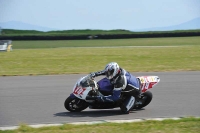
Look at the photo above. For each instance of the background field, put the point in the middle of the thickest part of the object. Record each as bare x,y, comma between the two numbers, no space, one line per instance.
64,57
174,41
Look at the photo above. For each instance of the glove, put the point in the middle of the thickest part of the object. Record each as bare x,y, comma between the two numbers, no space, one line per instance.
92,75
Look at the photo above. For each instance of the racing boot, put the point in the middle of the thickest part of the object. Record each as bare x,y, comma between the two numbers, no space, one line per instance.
128,105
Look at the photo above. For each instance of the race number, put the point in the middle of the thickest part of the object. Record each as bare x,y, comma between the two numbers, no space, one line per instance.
79,90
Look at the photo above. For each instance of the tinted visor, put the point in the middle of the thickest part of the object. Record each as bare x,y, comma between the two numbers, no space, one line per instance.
109,73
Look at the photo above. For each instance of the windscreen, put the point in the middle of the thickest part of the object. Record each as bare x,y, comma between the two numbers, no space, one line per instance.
87,83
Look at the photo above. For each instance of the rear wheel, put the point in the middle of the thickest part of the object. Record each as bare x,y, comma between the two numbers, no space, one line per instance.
144,100
75,104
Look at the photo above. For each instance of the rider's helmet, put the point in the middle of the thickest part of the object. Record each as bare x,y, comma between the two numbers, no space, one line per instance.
111,70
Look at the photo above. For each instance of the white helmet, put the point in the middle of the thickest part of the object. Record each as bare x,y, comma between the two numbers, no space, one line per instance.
111,70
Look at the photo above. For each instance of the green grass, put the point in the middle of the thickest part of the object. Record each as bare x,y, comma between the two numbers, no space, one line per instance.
30,61
184,125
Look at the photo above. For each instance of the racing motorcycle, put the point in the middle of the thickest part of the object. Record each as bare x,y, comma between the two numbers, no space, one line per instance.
87,89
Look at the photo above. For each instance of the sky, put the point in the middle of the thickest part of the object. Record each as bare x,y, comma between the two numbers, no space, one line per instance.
102,14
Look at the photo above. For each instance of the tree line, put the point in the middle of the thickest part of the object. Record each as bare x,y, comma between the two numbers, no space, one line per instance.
101,36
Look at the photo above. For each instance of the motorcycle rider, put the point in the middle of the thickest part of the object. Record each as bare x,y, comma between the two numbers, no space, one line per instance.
122,81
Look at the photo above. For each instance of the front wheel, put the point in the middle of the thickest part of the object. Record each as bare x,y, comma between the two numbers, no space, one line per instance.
75,104
145,99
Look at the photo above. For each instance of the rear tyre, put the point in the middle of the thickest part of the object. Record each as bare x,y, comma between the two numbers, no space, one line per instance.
75,104
144,100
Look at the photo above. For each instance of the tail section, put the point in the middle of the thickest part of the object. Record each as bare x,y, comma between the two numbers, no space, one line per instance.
147,82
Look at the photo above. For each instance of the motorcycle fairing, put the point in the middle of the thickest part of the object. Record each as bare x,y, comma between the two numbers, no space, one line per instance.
80,90
147,82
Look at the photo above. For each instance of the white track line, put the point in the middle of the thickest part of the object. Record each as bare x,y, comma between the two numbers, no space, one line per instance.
93,122
125,47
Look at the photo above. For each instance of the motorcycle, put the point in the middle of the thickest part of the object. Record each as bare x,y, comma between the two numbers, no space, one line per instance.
86,89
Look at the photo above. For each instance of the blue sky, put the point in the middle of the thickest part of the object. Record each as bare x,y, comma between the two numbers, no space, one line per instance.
103,14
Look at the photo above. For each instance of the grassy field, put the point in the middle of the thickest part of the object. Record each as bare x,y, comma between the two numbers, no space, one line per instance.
60,57
184,125
174,41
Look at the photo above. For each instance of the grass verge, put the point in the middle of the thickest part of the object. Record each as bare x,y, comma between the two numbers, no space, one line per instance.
184,125
30,61
79,60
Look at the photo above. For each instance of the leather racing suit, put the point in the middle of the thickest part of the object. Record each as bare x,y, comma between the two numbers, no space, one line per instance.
122,82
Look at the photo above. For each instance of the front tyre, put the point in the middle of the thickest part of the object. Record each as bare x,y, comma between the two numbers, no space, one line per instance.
145,99
75,104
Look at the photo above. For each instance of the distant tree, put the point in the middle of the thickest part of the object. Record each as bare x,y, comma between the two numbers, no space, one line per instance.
0,30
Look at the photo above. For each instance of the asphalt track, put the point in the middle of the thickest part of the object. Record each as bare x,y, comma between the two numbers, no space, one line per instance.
40,99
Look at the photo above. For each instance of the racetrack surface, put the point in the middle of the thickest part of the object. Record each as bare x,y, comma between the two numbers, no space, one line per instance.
40,99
